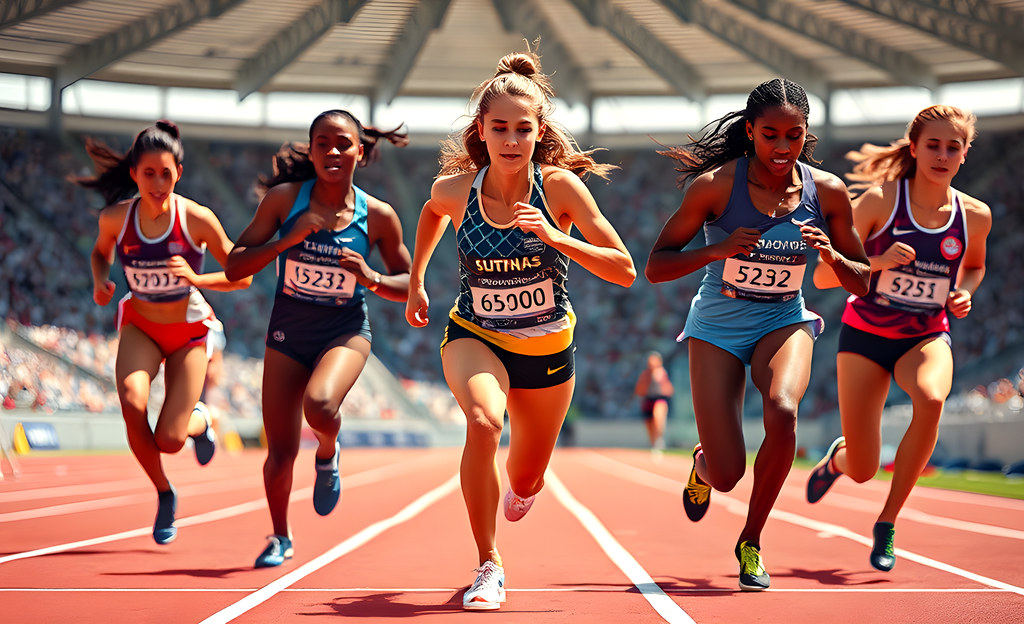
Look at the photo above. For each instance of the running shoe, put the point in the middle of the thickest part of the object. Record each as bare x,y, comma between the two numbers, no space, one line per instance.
327,489
752,574
825,473
279,549
164,530
488,590
883,554
697,496
205,444
515,506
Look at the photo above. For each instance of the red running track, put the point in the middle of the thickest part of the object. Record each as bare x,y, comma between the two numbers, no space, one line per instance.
606,541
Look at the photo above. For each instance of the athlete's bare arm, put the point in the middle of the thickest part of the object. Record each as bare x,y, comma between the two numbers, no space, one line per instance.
206,229
643,384
972,267
448,197
603,252
705,200
385,232
102,258
841,249
254,249
870,213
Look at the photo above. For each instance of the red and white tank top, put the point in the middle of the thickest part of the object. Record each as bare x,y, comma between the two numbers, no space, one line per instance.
145,259
910,300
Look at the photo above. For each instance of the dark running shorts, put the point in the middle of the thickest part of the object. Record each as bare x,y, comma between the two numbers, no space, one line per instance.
302,330
647,405
882,351
528,372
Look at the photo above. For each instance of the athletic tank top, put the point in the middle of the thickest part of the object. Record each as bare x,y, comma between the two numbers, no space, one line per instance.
309,271
910,300
774,272
511,282
145,259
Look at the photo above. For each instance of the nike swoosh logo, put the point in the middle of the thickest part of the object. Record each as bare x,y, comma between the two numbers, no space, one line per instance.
552,372
899,232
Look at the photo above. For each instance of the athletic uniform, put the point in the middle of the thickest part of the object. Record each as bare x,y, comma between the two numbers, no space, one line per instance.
655,393
316,300
744,298
906,305
145,268
512,294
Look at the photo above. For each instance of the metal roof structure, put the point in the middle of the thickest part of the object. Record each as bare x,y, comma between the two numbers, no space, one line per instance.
384,48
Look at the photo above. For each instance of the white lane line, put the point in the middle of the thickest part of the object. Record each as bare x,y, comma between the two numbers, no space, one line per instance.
257,598
446,590
366,477
656,481
854,503
74,490
665,606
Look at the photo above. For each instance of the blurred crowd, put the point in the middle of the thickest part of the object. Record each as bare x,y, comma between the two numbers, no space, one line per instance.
47,227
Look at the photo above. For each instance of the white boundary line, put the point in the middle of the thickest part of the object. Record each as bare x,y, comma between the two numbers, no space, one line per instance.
665,606
350,481
445,590
268,591
656,481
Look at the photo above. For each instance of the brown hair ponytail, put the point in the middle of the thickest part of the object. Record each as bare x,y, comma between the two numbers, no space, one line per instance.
518,75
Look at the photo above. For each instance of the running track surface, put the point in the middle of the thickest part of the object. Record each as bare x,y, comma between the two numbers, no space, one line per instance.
606,541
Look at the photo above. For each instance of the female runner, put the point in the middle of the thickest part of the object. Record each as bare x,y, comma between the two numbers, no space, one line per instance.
160,239
319,335
512,188
655,389
763,213
927,246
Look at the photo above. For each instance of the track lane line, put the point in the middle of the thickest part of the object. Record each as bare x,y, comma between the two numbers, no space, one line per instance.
656,481
268,591
366,477
665,606
445,590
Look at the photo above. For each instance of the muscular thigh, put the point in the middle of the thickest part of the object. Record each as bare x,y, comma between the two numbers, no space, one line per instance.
781,364
284,383
337,368
717,382
926,371
863,387
476,377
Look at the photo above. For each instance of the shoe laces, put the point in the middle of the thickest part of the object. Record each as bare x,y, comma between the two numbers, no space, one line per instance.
890,542
520,504
750,561
486,575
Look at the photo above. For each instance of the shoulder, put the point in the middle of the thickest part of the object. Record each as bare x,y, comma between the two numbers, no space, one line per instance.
452,189
978,212
878,198
827,182
377,209
116,212
195,210
557,179
716,183
280,198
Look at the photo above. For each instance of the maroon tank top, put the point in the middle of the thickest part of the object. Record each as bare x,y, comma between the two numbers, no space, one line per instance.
145,259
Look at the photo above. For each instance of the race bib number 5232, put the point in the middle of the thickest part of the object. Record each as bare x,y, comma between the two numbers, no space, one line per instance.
319,280
762,280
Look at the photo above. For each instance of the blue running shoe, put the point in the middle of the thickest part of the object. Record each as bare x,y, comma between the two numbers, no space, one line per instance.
164,530
279,549
883,553
205,444
823,475
327,489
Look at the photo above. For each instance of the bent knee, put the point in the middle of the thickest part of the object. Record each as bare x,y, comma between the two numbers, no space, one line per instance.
167,442
319,409
929,404
724,480
480,422
861,474
134,396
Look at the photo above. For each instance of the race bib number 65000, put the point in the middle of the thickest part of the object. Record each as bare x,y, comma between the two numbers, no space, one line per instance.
319,280
521,301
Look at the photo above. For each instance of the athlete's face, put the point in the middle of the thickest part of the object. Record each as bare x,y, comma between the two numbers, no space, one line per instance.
940,149
510,129
156,173
779,136
335,149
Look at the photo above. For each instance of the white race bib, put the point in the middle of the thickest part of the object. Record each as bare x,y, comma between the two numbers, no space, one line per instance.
154,280
762,277
319,280
926,293
516,302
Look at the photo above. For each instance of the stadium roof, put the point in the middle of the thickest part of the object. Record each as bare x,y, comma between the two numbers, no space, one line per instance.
384,48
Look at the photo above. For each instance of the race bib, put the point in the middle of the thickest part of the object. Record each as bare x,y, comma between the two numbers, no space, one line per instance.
762,281
317,280
913,292
154,280
521,301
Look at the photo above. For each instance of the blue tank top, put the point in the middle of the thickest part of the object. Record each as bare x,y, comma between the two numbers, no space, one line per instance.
309,271
774,272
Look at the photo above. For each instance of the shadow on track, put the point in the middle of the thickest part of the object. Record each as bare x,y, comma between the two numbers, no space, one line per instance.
386,605
203,573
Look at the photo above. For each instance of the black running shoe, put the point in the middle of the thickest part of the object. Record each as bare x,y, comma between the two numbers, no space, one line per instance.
205,443
164,530
752,574
823,476
697,495
883,554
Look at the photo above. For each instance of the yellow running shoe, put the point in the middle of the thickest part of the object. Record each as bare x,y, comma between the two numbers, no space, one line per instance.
752,574
697,496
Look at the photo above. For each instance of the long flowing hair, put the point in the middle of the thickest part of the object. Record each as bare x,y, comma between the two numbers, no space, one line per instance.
113,177
518,75
726,138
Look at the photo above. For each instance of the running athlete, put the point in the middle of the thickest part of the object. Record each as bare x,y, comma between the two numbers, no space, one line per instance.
656,391
319,335
512,187
763,213
927,246
161,239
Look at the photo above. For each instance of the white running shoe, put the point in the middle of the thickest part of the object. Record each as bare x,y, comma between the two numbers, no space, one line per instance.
516,507
488,590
